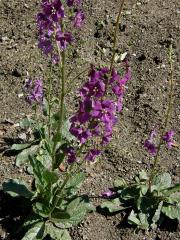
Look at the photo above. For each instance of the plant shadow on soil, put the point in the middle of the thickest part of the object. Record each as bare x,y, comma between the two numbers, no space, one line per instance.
167,224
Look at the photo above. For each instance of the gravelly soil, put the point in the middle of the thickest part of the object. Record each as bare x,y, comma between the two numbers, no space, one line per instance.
147,29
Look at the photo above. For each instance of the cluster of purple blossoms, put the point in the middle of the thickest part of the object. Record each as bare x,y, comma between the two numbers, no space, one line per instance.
168,138
149,145
49,22
97,114
34,92
152,148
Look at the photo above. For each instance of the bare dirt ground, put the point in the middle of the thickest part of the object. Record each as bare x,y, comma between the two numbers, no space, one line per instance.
146,32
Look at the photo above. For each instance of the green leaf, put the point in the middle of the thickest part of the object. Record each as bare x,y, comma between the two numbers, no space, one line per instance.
143,175
19,147
60,216
65,131
173,198
156,216
113,205
77,210
143,221
45,107
120,183
172,211
17,188
56,233
26,122
139,220
144,189
131,192
162,181
132,219
36,232
43,176
173,189
75,181
41,209
23,157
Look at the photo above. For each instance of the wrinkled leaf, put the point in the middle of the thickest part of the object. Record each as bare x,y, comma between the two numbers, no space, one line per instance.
41,209
162,181
143,175
57,233
156,216
65,131
174,198
113,205
171,211
19,147
120,183
173,189
60,216
23,157
26,122
43,176
45,107
17,188
77,210
144,189
130,193
36,232
76,180
132,219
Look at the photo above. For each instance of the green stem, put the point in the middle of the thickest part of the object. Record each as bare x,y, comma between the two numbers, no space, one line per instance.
61,105
59,191
115,34
49,102
167,118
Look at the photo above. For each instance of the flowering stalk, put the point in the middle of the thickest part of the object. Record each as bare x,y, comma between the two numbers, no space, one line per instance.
49,102
115,34
163,135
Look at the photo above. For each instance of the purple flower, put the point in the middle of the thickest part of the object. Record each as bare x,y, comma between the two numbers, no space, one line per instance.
104,110
34,93
149,145
80,132
92,154
43,22
108,194
55,59
70,3
79,18
168,138
45,44
64,38
71,155
53,10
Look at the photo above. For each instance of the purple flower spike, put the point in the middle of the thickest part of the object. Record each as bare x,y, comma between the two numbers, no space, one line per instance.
92,154
108,194
168,138
78,19
149,145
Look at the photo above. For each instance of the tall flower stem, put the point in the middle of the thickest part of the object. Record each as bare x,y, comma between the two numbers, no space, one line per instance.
166,117
49,102
115,34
